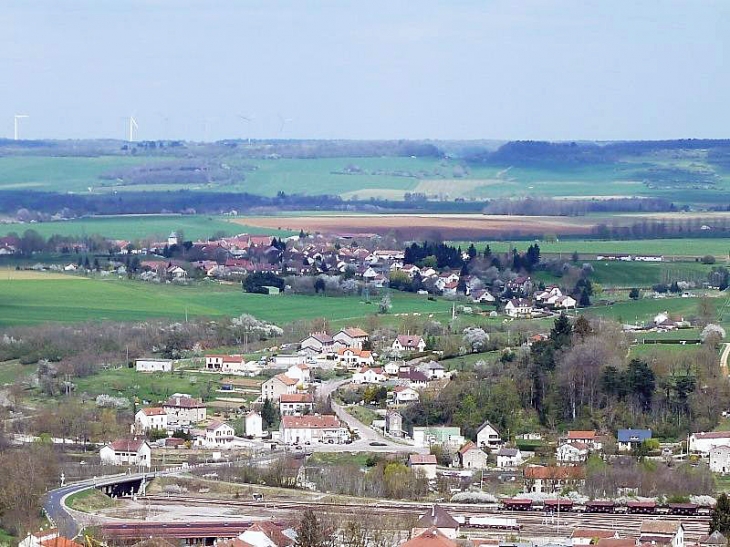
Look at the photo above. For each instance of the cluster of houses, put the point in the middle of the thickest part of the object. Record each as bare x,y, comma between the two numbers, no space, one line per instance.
179,413
714,445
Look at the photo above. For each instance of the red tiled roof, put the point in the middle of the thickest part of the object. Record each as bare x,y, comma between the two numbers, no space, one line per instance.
286,380
592,533
430,538
154,411
59,541
127,445
408,341
712,435
581,434
273,532
422,459
615,542
296,398
310,422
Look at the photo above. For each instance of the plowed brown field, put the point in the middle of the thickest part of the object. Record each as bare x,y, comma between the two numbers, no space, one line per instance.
415,226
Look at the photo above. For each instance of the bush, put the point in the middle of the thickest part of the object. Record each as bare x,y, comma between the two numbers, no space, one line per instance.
708,259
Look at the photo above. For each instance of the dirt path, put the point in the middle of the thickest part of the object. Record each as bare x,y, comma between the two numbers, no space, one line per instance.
723,359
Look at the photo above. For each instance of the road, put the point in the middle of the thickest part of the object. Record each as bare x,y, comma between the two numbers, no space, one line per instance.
367,434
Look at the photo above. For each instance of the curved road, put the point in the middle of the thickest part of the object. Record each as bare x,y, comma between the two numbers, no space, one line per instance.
367,434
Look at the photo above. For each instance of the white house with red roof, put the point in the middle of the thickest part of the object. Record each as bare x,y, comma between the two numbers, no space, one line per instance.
275,387
589,438
148,419
296,404
132,452
353,357
409,342
301,373
426,463
219,434
367,375
224,363
311,429
702,443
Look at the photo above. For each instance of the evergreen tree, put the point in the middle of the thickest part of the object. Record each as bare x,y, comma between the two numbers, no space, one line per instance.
585,299
268,414
471,251
561,332
720,516
487,251
634,294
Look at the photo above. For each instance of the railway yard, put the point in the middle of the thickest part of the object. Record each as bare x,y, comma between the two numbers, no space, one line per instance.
530,524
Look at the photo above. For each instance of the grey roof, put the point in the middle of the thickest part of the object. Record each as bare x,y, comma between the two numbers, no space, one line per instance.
438,517
508,452
715,538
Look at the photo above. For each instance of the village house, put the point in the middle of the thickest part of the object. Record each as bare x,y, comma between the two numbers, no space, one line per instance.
47,538
663,532
488,435
432,370
131,452
182,409
392,368
447,436
482,296
351,337
414,379
224,363
318,343
720,459
403,395
148,419
426,463
631,438
439,519
253,425
509,457
702,443
311,429
409,343
275,387
589,438
367,375
153,365
301,373
715,539
552,479
564,302
219,434
472,457
571,453
265,534
547,296
295,404
353,357
518,307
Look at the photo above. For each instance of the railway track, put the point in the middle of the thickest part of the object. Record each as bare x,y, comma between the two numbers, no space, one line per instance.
531,523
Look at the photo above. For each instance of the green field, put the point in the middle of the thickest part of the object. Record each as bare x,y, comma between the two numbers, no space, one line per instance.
362,177
133,227
718,247
643,310
79,299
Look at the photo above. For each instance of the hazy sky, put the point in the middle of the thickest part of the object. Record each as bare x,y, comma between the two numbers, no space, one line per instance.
495,69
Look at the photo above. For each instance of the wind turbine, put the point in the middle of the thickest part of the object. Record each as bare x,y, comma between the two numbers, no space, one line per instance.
283,121
247,120
132,126
15,123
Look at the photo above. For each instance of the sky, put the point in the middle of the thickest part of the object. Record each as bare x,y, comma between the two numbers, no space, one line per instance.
371,69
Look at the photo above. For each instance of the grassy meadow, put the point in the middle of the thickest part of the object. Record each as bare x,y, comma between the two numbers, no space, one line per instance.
74,299
131,227
692,247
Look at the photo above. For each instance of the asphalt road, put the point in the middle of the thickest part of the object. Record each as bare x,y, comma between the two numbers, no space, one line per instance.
367,434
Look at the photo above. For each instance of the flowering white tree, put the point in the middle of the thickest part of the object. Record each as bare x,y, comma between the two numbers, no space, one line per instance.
712,332
476,338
